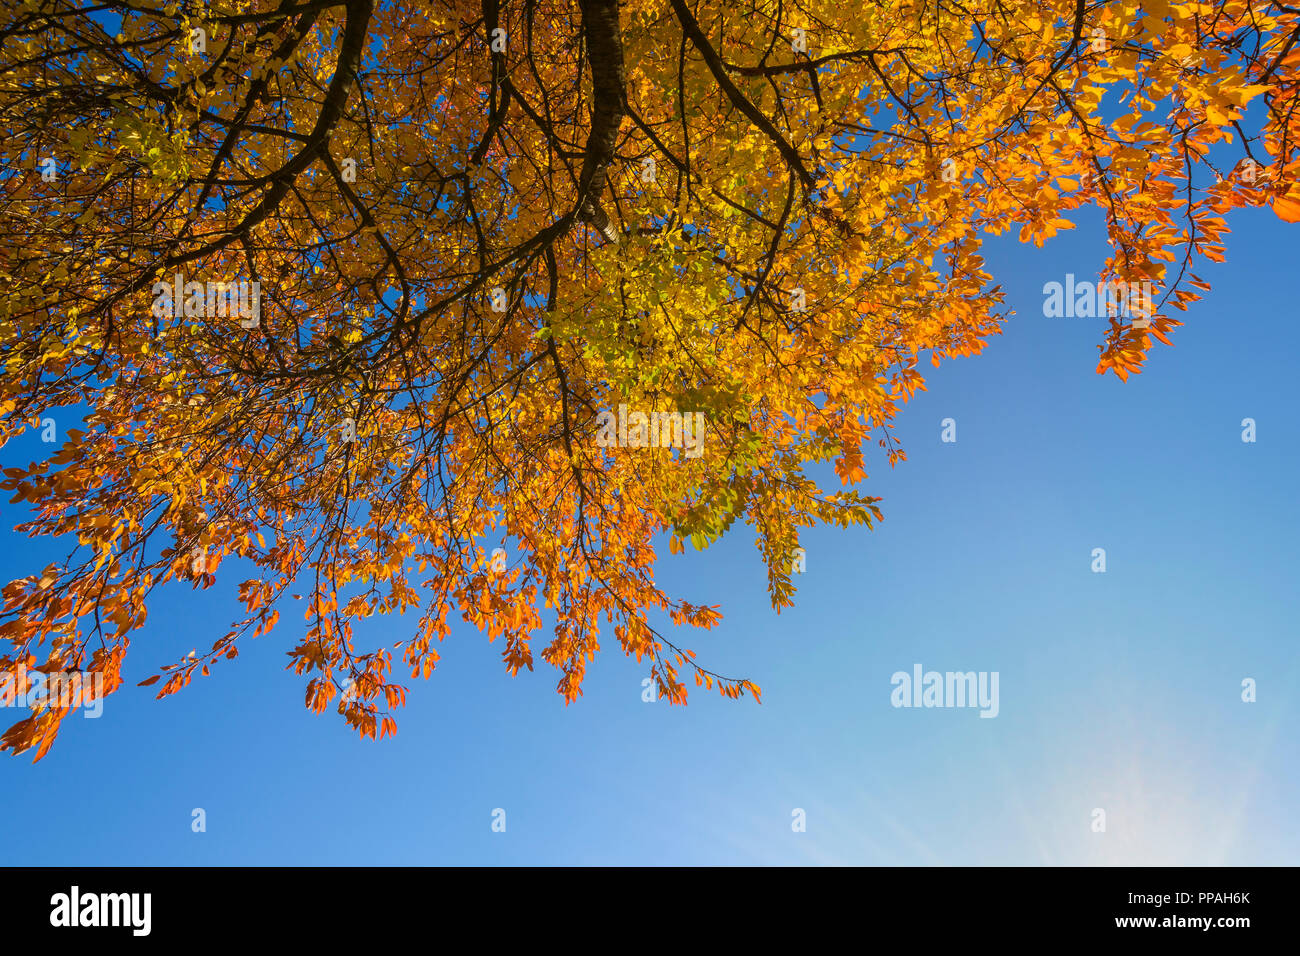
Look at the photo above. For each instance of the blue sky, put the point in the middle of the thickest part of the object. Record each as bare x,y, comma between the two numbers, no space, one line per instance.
1119,691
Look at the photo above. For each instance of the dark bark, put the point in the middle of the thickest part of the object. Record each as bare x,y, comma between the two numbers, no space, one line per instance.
691,28
605,51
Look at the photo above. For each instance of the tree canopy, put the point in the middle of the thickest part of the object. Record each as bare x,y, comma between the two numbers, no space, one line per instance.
346,295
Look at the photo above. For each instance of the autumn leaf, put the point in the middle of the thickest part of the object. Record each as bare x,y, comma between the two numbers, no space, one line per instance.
1287,209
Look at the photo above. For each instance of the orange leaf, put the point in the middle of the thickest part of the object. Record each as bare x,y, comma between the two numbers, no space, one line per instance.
1287,209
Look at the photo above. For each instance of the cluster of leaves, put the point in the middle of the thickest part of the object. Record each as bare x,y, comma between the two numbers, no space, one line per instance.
765,211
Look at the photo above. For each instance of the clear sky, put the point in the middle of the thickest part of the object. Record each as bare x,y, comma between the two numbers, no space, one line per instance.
1119,690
